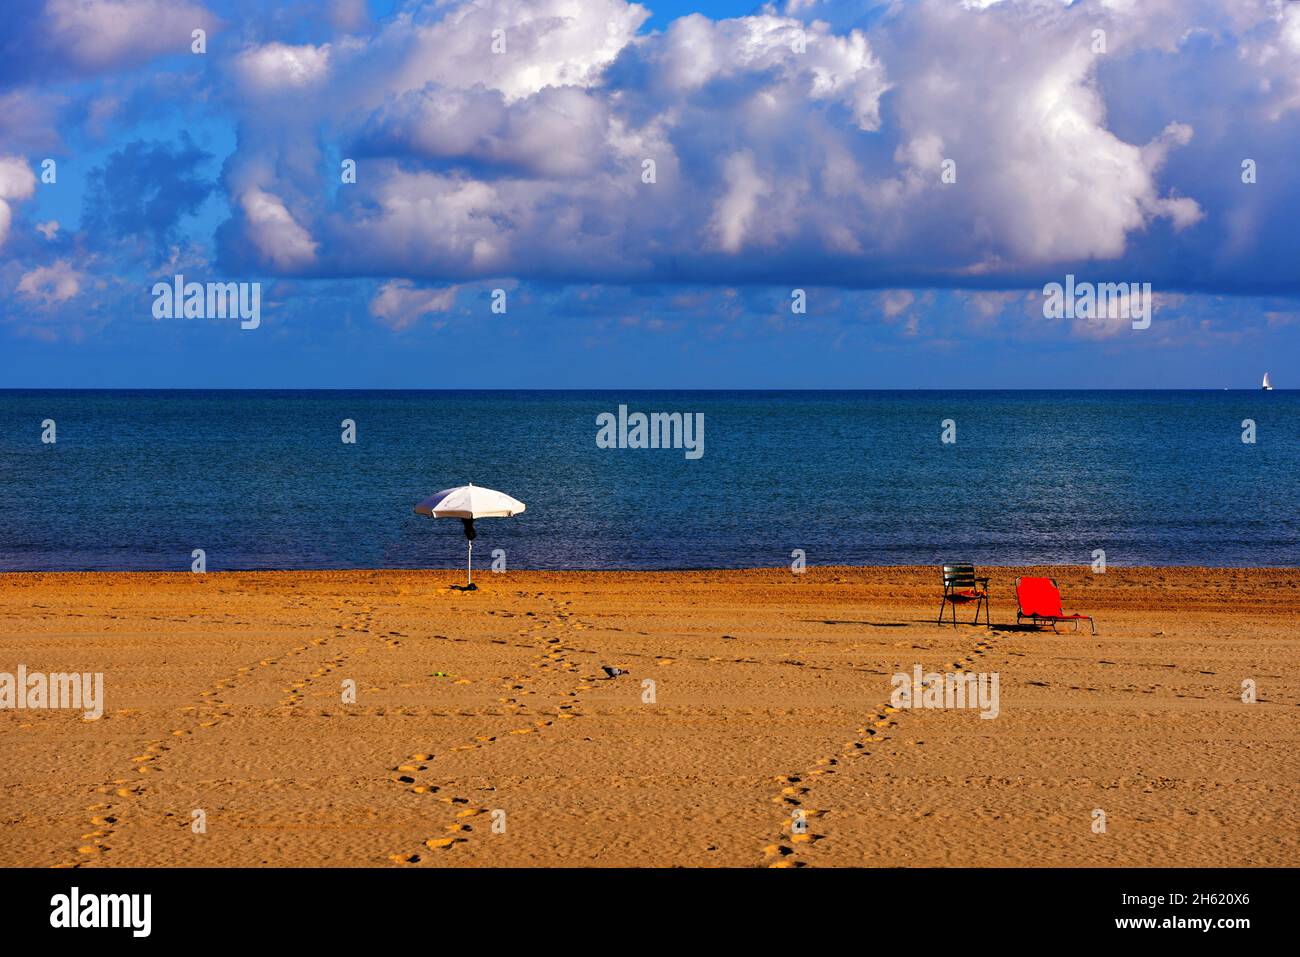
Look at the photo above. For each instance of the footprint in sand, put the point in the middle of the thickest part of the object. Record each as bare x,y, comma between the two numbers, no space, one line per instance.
442,843
775,854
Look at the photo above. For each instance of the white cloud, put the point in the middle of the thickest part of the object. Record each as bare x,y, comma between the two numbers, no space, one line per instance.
547,43
1274,57
17,181
895,302
275,232
399,304
29,119
696,50
734,212
51,285
559,132
348,15
102,34
1039,175
278,66
775,157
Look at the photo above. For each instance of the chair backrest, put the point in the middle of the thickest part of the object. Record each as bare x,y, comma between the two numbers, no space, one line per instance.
958,577
1039,596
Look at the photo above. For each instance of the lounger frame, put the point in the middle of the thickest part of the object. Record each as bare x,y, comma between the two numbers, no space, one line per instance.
1053,620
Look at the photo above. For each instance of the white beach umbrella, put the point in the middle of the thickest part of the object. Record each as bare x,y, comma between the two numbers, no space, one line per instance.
468,502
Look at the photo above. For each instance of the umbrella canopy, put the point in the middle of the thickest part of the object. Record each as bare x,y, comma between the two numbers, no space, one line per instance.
470,501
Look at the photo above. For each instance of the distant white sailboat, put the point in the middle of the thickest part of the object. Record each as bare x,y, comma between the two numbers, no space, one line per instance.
1268,386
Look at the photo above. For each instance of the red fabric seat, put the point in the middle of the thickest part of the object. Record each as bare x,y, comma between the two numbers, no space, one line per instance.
1039,599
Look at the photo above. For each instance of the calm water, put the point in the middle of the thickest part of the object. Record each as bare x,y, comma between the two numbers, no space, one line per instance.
137,480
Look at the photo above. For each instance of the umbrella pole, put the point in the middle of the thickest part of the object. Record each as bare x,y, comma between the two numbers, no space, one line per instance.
469,567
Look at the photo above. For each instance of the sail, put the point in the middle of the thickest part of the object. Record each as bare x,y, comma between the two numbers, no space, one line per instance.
1267,384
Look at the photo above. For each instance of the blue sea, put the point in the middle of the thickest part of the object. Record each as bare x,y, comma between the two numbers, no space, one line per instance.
262,479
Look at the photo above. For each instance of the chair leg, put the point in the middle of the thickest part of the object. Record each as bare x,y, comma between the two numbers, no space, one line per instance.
942,604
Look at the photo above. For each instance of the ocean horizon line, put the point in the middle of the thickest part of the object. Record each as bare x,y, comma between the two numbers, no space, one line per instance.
87,390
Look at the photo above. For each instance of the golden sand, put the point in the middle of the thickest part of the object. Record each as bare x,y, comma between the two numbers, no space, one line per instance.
485,733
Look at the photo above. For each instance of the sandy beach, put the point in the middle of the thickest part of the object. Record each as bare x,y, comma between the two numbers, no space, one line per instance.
484,732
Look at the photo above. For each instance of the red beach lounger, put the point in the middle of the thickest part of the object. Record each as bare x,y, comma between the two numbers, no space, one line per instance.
1039,599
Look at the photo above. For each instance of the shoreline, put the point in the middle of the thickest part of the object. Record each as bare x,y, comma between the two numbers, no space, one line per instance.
812,571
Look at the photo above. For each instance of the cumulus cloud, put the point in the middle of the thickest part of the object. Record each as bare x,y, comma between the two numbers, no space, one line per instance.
559,132
51,285
1039,175
273,230
17,182
399,304
772,157
515,47
278,66
1275,56
895,302
529,160
734,212
348,15
803,144
797,57
97,35
29,118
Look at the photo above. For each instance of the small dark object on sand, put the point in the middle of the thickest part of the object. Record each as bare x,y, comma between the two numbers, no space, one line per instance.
612,672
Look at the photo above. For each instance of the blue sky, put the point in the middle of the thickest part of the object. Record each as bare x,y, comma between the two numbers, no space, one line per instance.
796,145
